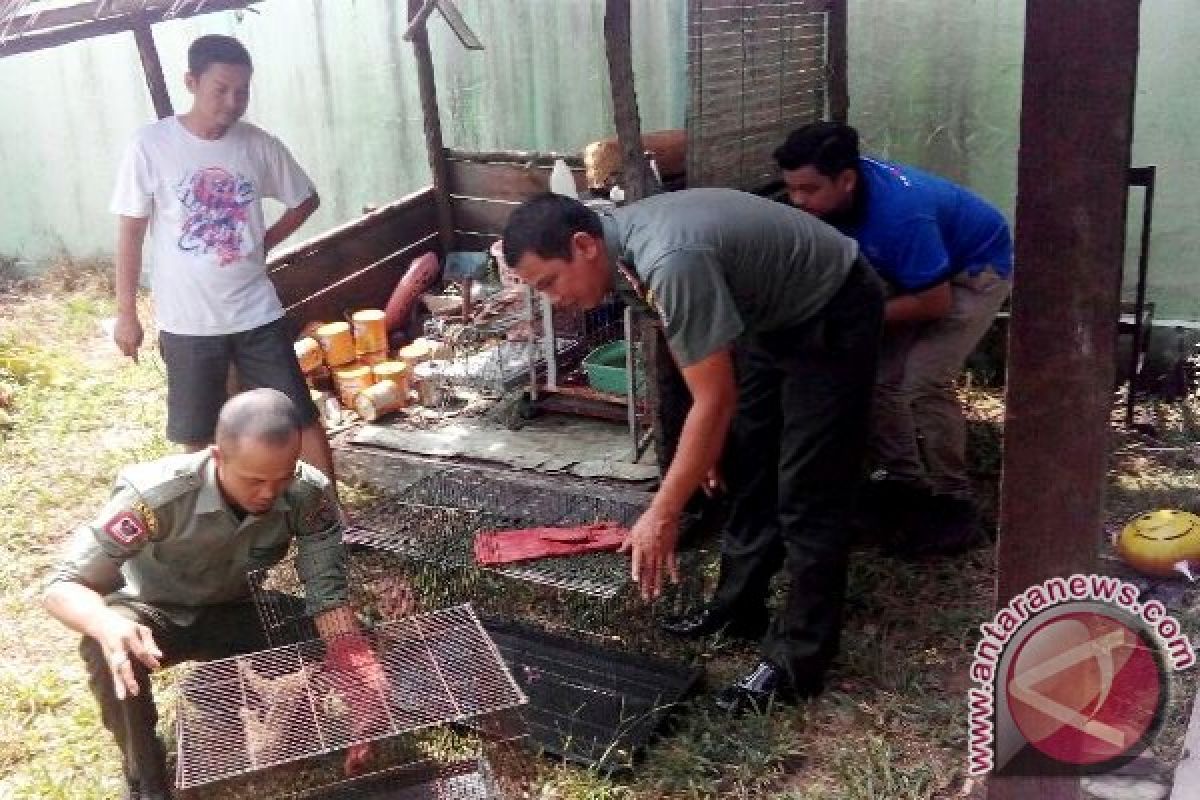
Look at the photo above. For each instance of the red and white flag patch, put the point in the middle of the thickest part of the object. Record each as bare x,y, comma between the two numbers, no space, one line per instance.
126,528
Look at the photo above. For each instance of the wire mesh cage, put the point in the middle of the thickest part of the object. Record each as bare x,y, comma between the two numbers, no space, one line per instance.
414,549
249,712
426,532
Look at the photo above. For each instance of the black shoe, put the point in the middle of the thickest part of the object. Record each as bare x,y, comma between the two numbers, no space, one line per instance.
949,526
763,686
889,507
709,619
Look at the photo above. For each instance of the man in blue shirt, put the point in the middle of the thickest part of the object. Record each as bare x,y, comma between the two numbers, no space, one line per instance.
947,256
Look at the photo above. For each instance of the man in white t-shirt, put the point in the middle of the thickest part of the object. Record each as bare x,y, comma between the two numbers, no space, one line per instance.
196,182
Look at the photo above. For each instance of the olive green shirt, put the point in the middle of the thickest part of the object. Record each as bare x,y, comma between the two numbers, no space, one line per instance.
719,264
167,538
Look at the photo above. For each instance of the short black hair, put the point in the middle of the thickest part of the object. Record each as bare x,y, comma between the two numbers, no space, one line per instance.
544,225
216,49
829,147
261,415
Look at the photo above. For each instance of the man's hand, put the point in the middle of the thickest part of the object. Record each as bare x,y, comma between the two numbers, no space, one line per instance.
652,542
359,677
122,640
128,334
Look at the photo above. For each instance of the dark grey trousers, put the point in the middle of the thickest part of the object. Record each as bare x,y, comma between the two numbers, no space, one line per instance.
793,465
217,632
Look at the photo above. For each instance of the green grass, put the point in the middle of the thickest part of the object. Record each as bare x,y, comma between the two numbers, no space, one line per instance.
892,724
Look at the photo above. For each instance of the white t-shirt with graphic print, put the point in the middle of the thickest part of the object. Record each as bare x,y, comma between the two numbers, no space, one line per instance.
204,200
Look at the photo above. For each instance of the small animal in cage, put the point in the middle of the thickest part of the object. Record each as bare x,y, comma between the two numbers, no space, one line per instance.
388,597
280,703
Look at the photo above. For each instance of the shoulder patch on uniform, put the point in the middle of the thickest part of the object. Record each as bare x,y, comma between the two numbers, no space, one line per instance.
127,527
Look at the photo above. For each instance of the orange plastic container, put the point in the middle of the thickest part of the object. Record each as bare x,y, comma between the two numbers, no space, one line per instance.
380,398
308,353
337,342
370,331
352,380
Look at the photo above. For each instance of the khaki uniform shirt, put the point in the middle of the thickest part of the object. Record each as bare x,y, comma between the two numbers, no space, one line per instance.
167,539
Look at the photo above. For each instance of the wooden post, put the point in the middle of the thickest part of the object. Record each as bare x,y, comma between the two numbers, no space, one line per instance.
1076,130
153,69
433,128
639,181
837,60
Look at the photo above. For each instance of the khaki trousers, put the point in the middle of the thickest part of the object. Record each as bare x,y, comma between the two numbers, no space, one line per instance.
918,430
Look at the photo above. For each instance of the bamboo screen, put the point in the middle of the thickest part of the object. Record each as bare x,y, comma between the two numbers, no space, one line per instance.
757,70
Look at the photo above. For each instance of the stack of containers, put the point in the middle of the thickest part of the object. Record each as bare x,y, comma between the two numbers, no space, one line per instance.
354,357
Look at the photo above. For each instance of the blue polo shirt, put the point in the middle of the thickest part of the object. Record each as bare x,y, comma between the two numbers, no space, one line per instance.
919,230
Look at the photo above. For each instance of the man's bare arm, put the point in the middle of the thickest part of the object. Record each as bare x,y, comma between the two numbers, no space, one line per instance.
292,219
131,234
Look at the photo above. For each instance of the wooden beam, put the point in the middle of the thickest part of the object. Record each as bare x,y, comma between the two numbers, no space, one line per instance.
152,67
525,157
639,181
1076,130
34,19
427,85
29,32
454,19
418,19
837,51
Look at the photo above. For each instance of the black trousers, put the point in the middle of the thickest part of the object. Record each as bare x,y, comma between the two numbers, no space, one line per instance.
217,632
793,465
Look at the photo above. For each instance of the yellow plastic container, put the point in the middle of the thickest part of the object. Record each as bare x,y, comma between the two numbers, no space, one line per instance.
370,331
395,371
414,354
308,353
372,359
352,380
337,342
381,398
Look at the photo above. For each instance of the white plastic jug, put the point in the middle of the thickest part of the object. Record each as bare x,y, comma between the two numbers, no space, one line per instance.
562,181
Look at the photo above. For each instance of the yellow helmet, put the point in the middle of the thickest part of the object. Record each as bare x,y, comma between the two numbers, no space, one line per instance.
1160,542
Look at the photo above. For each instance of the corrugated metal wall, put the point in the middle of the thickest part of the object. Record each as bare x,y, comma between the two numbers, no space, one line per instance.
335,81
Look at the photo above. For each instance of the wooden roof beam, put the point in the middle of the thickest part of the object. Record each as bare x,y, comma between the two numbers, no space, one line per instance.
453,18
32,31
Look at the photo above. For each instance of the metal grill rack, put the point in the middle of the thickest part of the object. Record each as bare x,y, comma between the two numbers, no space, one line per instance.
246,713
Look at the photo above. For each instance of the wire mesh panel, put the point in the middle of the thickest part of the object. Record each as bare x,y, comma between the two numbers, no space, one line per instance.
438,518
249,712
757,70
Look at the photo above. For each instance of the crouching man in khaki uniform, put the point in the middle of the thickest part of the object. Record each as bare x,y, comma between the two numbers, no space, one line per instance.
159,576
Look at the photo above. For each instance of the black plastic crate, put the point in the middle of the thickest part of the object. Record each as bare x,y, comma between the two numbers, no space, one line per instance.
590,704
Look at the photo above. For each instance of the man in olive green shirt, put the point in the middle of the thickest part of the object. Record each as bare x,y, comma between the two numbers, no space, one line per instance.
768,312
159,576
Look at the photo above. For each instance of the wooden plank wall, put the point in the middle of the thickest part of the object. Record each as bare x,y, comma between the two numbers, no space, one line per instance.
356,265
756,72
486,187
